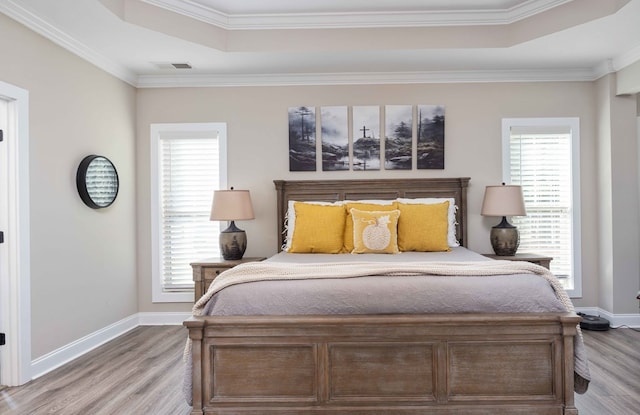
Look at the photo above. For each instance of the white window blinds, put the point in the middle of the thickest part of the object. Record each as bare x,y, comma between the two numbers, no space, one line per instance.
188,163
540,159
189,176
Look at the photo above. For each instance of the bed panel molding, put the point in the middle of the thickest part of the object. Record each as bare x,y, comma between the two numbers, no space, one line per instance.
402,364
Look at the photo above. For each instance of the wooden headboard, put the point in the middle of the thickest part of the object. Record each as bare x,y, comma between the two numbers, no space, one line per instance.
334,190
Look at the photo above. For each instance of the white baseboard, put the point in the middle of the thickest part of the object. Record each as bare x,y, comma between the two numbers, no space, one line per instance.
53,360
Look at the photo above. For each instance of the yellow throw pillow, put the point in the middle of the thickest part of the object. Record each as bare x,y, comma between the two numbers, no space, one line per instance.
319,229
375,232
348,228
423,227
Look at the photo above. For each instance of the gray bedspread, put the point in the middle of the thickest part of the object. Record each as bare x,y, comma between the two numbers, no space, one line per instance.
385,295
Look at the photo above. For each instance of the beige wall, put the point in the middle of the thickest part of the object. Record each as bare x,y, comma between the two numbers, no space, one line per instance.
258,148
83,275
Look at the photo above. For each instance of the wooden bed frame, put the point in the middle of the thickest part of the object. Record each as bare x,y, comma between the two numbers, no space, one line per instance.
472,364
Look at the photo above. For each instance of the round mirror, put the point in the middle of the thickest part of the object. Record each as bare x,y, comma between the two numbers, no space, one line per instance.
97,181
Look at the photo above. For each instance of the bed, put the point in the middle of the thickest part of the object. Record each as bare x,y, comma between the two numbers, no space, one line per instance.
398,362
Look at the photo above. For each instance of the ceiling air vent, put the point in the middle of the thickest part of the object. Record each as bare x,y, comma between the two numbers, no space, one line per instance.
169,65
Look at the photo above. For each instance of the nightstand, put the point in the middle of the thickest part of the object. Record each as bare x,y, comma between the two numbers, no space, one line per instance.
533,258
206,270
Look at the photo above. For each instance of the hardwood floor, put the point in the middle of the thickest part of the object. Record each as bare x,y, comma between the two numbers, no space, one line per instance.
140,373
614,361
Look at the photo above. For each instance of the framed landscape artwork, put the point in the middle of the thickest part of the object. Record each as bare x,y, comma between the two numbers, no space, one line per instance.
430,132
398,145
335,138
351,137
302,139
366,138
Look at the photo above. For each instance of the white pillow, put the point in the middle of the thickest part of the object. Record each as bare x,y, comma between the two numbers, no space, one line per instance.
451,231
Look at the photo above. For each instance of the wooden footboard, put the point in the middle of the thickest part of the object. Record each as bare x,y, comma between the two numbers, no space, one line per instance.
395,364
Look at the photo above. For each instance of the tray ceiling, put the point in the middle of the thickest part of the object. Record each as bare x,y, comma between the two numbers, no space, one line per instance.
287,42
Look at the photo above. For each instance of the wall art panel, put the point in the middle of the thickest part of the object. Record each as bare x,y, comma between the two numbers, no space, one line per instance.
430,147
335,138
366,137
302,139
398,137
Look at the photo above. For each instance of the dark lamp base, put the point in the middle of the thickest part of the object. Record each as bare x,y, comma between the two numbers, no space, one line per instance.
233,242
505,238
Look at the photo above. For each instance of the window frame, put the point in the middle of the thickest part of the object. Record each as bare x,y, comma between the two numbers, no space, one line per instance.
158,295
574,126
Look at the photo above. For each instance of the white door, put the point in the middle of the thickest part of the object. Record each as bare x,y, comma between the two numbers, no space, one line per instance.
15,307
4,211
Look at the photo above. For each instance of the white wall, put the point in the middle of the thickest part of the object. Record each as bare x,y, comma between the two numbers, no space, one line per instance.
83,261
258,148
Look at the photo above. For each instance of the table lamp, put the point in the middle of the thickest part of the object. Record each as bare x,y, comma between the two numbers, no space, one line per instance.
505,200
232,205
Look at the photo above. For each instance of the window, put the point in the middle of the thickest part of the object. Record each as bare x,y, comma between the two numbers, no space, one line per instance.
543,156
188,162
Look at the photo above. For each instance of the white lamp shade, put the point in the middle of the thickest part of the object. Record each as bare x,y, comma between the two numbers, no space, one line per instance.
505,200
231,205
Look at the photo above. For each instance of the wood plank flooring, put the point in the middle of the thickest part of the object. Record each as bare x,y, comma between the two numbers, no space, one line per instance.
614,362
140,373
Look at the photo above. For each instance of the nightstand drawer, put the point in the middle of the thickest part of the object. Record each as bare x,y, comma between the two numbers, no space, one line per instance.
210,274
543,261
205,271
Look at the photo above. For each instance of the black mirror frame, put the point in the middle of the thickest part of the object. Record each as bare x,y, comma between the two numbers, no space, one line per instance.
81,182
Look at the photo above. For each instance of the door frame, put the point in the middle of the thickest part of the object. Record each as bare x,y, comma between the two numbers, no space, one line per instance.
15,283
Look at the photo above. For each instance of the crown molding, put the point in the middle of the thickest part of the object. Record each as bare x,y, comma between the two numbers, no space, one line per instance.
604,68
364,78
20,14
614,65
627,59
335,20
